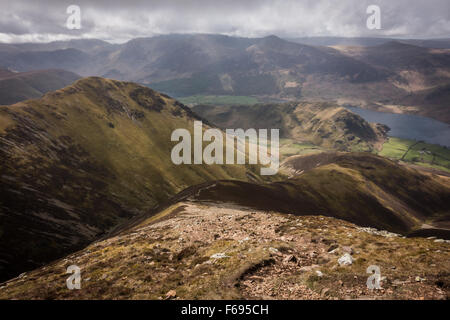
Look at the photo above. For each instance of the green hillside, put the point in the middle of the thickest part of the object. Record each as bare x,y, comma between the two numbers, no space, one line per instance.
79,161
322,124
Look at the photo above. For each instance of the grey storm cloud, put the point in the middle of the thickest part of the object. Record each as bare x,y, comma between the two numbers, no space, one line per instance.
121,20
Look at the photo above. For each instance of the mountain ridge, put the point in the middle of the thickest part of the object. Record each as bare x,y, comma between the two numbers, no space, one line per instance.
82,159
202,246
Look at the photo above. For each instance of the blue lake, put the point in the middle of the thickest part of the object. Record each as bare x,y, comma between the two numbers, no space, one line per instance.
409,126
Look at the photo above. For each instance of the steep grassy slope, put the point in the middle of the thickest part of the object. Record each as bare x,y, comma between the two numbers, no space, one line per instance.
82,159
214,251
15,87
361,188
323,124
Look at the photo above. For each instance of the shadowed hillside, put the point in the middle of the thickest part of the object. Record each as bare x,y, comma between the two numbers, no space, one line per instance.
234,240
362,188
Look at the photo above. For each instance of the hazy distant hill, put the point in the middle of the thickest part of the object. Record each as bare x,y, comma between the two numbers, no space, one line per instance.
198,57
86,45
399,56
18,86
68,59
267,67
416,71
370,41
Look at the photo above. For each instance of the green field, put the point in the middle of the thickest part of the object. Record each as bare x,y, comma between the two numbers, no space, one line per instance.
219,100
289,147
420,153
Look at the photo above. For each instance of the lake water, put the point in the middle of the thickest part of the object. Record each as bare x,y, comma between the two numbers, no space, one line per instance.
409,126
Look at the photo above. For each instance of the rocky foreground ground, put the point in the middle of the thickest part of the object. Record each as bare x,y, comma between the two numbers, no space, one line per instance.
200,250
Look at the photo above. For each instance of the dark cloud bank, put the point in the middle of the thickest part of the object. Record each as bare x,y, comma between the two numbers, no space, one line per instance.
118,21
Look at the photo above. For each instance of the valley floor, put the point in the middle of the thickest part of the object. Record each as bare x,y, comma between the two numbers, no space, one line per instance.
204,250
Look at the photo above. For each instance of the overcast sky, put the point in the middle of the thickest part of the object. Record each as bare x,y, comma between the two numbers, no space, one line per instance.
118,21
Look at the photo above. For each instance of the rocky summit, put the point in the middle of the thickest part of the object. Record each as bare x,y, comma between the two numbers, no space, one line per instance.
208,250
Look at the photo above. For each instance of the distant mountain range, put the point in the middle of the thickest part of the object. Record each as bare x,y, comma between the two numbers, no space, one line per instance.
398,76
365,42
18,86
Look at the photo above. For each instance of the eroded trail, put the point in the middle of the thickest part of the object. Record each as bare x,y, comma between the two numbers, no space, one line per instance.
195,250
